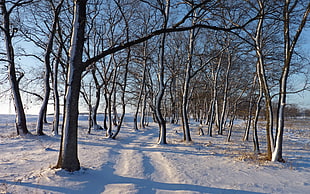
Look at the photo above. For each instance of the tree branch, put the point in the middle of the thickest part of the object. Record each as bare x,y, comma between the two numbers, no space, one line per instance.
156,33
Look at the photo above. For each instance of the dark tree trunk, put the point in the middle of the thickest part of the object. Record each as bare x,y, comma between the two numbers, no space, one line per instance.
68,157
48,51
20,121
160,94
56,97
95,108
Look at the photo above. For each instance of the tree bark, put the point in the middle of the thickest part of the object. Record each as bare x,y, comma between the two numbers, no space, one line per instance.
214,97
289,46
261,72
142,87
56,97
48,71
20,120
160,94
97,102
224,105
250,108
186,130
68,157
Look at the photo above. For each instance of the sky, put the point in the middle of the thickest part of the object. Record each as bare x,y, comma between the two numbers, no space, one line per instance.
302,98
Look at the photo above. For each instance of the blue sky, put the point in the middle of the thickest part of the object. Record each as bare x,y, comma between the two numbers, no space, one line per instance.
302,98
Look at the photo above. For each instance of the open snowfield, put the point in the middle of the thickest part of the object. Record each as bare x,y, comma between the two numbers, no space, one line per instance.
134,163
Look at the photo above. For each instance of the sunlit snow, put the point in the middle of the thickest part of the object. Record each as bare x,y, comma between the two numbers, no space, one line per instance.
134,163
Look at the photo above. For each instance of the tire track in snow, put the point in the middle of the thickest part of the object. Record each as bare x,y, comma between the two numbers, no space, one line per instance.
129,164
164,171
145,166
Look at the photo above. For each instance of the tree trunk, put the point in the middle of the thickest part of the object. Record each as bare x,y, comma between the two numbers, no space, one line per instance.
288,52
112,104
211,119
143,109
47,73
160,94
90,109
105,126
186,130
256,117
250,108
142,86
123,88
97,102
68,157
263,82
231,124
213,113
56,95
224,105
20,120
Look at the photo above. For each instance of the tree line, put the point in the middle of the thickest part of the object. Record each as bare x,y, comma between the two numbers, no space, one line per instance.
213,61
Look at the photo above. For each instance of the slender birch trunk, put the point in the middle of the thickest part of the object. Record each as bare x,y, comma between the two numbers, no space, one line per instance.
261,72
214,97
224,105
289,46
185,96
250,108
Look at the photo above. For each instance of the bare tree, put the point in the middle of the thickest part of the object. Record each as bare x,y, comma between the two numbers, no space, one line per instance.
47,63
7,9
290,42
68,156
161,66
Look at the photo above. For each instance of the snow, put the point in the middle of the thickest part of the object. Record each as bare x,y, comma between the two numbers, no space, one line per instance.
134,163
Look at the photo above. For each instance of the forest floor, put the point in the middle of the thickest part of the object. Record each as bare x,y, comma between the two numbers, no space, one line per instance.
134,163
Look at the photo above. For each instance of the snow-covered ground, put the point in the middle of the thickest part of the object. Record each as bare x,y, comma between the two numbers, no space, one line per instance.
134,163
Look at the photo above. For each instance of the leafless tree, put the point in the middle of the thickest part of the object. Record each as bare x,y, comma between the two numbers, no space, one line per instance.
290,41
7,9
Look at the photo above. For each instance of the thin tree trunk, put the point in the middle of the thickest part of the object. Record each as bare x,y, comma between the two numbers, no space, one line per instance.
20,120
124,85
263,82
288,52
186,130
56,94
231,124
89,102
250,108
224,105
112,104
47,73
160,94
142,86
214,97
211,119
256,117
143,109
233,116
105,126
97,102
